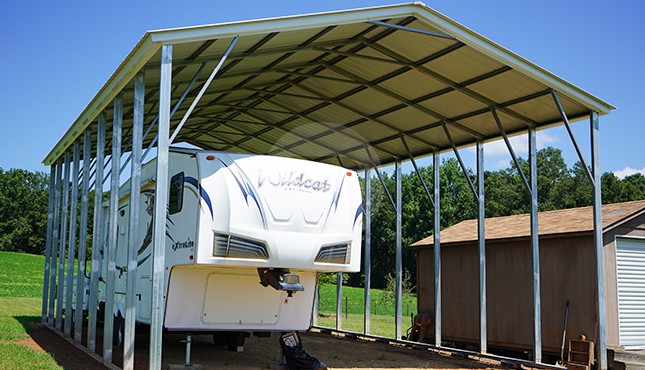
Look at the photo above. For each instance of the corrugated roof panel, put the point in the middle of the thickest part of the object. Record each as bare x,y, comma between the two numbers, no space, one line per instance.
329,88
368,71
506,87
453,104
363,101
374,131
462,65
413,84
407,119
334,115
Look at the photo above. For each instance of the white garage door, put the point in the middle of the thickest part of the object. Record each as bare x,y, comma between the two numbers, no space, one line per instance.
630,267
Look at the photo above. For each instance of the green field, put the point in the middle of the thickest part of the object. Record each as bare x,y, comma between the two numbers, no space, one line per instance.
381,310
21,288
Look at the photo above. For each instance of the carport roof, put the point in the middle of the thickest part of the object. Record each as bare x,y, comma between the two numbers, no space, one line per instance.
332,86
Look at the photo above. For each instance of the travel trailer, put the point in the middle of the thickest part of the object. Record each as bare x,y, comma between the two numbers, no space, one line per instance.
246,238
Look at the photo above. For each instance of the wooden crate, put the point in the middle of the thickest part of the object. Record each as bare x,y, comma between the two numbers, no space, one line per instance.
581,354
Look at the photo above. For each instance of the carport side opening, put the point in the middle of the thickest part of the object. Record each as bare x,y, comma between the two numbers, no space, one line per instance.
217,123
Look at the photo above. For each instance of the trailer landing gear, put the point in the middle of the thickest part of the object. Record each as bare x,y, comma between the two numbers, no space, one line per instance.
233,340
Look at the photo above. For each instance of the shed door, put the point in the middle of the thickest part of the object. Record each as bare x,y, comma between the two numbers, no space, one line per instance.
630,268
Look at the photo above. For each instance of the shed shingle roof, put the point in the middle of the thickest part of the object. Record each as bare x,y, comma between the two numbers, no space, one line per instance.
573,220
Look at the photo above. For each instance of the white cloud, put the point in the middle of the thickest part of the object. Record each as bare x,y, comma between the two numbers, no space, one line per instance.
621,174
519,143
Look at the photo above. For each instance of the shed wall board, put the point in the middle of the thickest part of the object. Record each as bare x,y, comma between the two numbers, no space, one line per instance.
568,273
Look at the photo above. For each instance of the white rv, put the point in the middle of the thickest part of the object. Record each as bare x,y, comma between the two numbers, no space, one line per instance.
246,238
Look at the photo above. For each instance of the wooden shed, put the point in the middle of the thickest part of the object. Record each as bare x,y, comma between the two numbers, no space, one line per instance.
567,274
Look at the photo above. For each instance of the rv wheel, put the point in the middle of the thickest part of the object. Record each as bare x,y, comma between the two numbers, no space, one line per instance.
118,332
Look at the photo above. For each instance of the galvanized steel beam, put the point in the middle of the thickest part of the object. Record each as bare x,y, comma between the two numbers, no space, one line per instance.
339,300
509,146
55,247
399,251
598,239
161,196
461,162
414,30
82,238
113,234
416,169
71,250
368,251
436,164
48,245
97,233
535,249
565,120
378,174
133,229
481,241
62,245
203,89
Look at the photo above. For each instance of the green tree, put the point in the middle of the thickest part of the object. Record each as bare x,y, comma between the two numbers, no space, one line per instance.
24,198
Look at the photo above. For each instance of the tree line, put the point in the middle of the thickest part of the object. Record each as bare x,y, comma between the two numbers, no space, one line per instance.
24,197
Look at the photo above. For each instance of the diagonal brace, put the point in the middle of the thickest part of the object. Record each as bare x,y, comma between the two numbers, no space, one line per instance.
416,168
204,88
461,162
554,94
510,149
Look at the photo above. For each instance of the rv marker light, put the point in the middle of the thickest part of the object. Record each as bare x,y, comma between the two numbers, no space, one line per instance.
210,157
349,173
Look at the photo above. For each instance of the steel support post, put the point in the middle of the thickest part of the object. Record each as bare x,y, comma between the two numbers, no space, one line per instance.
161,195
82,238
133,231
597,222
368,251
62,245
399,251
339,301
535,248
314,314
97,232
54,247
110,250
436,165
48,245
481,237
71,250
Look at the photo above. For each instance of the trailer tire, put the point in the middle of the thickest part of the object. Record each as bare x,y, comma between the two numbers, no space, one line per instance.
119,331
100,314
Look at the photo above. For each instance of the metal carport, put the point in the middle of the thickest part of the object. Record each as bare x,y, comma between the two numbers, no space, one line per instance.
361,88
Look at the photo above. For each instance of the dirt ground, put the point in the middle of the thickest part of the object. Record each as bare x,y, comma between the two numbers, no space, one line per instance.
260,353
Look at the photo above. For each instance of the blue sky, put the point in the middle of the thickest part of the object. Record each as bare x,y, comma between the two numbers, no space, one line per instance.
57,55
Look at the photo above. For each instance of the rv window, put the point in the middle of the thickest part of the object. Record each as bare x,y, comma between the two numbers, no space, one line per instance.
176,193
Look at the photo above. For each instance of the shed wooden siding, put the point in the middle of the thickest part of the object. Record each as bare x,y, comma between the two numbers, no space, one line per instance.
567,273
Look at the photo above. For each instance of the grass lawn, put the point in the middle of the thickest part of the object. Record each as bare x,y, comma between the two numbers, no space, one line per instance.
381,310
21,284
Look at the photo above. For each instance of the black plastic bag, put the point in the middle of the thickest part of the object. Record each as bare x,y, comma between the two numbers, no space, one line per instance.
296,357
